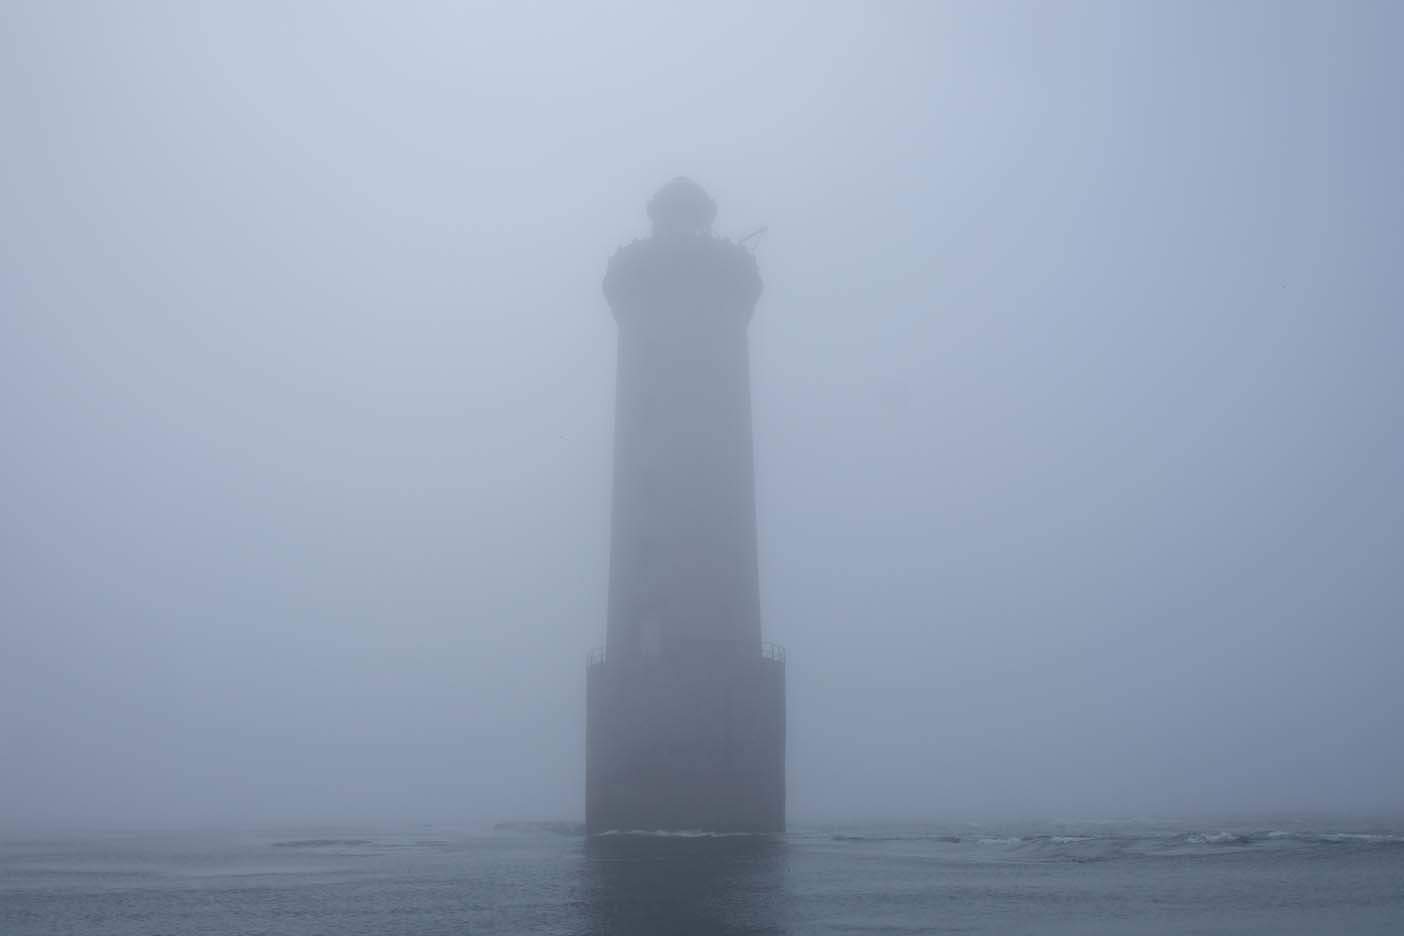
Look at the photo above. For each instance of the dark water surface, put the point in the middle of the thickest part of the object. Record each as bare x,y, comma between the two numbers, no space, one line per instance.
1073,877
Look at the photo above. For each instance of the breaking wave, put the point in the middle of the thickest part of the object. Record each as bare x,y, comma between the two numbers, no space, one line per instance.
1102,843
896,837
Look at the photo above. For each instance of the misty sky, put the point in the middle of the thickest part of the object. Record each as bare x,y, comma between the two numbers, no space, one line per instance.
1077,385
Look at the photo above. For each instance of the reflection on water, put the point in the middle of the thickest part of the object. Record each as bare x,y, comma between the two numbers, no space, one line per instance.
645,884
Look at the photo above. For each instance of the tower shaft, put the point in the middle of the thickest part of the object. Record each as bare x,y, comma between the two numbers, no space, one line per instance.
683,555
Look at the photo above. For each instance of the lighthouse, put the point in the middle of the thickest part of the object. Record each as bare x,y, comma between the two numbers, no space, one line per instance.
686,703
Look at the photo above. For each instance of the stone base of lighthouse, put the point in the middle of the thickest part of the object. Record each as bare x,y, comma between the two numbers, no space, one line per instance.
694,741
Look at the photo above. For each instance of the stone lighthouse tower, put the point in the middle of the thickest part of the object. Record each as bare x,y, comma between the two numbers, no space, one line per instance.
686,720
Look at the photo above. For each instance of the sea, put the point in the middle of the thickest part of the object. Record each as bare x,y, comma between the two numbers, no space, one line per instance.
1141,876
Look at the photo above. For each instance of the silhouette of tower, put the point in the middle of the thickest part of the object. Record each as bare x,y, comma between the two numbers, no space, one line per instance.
686,706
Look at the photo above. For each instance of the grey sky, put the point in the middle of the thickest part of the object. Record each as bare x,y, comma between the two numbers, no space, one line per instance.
1077,383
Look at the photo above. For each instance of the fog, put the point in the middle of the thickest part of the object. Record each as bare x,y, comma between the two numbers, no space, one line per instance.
1076,395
